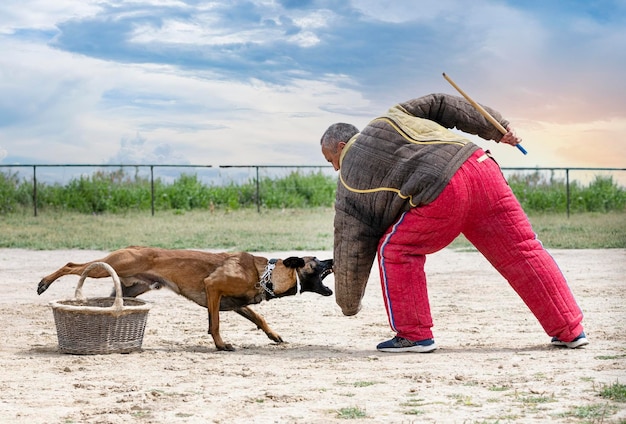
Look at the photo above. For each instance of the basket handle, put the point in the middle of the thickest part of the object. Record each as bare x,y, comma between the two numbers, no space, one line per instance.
118,304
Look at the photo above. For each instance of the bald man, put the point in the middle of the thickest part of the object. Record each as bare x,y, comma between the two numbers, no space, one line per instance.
408,186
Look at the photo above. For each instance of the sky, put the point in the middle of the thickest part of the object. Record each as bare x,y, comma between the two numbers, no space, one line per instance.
257,82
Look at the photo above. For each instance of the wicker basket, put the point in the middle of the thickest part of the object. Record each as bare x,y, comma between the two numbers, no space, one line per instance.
100,325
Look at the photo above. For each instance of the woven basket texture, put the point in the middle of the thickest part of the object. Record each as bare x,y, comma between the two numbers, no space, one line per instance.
99,325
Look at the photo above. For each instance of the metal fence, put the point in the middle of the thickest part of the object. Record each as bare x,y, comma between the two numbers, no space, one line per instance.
224,174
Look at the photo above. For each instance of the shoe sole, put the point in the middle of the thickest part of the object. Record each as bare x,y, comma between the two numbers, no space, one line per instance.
572,345
415,349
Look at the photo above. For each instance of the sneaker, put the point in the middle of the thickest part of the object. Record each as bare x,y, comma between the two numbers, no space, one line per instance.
579,341
400,344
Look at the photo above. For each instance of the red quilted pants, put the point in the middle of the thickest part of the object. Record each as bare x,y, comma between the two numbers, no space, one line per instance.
479,204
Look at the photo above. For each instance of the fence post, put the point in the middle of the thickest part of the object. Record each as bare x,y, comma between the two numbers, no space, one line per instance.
258,182
35,189
152,188
258,193
567,190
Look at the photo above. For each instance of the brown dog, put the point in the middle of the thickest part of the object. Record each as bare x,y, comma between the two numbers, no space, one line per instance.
217,281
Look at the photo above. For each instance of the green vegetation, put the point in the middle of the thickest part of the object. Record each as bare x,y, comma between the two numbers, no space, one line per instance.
244,229
580,231
351,413
265,231
119,192
536,194
615,392
595,413
598,412
108,211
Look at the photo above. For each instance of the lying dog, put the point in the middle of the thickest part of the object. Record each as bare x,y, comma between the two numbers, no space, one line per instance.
217,281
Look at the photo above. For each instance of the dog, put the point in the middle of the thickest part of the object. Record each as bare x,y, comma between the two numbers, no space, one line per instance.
218,281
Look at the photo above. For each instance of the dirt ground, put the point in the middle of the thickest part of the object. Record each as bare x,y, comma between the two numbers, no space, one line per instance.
494,364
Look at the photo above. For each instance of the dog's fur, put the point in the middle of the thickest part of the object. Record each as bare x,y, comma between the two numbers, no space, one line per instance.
217,281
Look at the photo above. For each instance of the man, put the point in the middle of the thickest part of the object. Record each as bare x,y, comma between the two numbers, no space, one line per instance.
408,187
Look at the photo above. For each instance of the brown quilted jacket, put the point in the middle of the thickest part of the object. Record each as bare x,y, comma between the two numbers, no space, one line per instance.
400,160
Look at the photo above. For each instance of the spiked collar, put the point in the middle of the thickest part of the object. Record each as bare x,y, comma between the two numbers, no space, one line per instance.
266,279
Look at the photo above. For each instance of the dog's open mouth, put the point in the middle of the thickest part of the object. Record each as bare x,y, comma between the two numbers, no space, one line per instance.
326,273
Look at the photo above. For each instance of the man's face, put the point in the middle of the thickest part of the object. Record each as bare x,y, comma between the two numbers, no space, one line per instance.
333,156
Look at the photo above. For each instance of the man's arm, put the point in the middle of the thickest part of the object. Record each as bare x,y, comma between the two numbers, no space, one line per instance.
455,112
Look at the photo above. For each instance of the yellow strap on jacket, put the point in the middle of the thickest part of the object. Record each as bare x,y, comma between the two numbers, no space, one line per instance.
415,130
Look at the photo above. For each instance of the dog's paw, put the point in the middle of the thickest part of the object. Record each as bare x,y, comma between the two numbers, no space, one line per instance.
42,287
275,337
226,347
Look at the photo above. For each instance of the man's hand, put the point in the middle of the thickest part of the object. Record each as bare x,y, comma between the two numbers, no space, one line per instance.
510,137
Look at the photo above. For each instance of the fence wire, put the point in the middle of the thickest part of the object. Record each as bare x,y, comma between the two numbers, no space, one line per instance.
239,174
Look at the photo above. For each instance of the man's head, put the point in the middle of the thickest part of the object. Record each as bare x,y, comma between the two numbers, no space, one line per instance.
334,140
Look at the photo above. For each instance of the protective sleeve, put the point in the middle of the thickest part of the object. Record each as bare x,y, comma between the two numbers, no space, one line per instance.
455,112
354,254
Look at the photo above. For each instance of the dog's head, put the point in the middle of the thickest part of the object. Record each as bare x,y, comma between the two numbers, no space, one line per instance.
311,272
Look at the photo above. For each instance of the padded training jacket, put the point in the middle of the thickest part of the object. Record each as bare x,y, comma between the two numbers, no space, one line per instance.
400,160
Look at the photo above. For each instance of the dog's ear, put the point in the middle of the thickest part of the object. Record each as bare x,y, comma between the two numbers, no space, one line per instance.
293,262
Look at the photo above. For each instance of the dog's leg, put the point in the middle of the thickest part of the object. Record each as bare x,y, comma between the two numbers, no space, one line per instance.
260,322
122,261
70,269
214,327
213,298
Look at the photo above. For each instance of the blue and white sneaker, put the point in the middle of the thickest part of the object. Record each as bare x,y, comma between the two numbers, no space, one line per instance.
400,344
579,341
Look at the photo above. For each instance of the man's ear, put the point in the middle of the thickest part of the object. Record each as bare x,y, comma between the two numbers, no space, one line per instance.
293,262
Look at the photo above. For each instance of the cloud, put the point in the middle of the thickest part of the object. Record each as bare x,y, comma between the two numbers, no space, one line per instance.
137,150
42,15
258,81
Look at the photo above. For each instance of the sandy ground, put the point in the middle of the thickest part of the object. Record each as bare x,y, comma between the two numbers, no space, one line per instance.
494,364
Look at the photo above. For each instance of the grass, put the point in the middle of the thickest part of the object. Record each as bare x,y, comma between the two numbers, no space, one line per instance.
464,400
274,230
364,383
351,413
267,230
593,230
595,413
615,392
590,230
499,388
611,357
